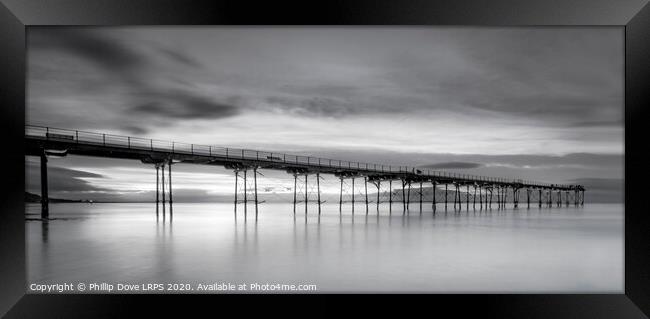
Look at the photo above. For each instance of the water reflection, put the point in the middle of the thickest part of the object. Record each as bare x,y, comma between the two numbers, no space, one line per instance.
524,250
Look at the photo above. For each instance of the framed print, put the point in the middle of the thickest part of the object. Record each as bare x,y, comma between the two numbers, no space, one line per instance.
457,153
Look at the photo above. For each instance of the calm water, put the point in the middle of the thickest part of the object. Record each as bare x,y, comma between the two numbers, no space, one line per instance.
525,250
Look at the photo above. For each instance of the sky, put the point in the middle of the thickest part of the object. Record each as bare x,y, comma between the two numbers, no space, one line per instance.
537,103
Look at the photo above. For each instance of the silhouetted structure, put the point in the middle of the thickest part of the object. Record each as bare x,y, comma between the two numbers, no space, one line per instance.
44,141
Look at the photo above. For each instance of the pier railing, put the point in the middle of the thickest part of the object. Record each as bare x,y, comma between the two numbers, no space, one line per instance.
137,143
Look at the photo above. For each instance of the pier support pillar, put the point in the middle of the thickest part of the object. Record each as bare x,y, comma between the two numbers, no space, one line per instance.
352,195
446,197
158,189
433,203
467,198
474,199
457,198
245,194
420,196
255,184
45,199
295,185
491,190
404,195
318,190
169,171
390,194
378,193
162,187
236,181
341,196
408,197
306,194
365,184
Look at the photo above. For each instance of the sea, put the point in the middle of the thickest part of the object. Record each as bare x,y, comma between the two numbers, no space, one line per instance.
210,248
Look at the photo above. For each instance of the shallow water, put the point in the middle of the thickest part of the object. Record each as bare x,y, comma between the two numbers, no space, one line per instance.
543,250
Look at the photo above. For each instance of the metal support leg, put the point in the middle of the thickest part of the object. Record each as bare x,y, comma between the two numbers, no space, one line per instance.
318,190
408,197
157,189
446,191
474,199
378,191
353,195
404,195
245,194
163,188
365,184
457,198
433,204
467,198
295,185
390,194
45,199
306,194
255,184
236,190
341,196
420,196
169,171
491,197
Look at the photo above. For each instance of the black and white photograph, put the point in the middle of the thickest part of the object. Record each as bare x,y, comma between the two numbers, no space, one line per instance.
324,159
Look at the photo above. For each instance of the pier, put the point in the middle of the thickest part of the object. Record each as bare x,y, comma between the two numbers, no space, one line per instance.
479,192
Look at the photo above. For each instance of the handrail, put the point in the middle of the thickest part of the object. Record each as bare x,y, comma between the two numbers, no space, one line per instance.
76,136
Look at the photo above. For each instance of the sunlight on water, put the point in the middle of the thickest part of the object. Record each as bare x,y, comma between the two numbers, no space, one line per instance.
525,250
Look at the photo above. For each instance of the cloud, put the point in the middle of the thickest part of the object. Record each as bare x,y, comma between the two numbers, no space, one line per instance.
185,106
180,58
61,180
132,66
137,130
452,165
92,45
603,123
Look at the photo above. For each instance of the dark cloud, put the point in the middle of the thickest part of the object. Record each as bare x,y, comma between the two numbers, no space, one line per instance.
180,58
61,181
452,165
134,68
137,130
91,45
185,106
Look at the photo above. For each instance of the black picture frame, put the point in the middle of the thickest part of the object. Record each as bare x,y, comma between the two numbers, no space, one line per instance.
633,15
